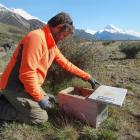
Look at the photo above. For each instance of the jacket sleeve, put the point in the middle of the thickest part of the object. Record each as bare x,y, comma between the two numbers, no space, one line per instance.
68,66
31,55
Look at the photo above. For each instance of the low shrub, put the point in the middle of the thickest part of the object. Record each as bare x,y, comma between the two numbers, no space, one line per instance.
130,49
106,43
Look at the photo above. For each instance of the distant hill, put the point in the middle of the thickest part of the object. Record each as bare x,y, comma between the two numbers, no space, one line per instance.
114,36
10,34
10,29
83,35
34,23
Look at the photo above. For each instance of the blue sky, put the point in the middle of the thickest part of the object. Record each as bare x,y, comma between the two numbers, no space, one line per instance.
86,14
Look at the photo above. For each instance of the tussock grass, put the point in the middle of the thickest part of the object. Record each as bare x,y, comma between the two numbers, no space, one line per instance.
107,135
111,124
67,133
88,133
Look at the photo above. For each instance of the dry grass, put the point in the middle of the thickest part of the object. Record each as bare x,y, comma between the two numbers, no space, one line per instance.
109,66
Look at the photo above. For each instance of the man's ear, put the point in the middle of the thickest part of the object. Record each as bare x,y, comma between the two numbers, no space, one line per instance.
60,27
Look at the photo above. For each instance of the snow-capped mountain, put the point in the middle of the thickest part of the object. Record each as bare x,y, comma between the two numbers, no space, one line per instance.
18,11
2,7
111,28
111,32
19,18
90,31
23,13
132,32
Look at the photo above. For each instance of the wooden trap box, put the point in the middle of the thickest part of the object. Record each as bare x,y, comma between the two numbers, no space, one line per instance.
74,101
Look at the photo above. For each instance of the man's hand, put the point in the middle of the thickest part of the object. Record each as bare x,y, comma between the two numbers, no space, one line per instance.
93,83
46,102
52,98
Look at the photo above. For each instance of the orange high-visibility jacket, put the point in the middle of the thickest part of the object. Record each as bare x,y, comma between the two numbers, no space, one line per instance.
28,66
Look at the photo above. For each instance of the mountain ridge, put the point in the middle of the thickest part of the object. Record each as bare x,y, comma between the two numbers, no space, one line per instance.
27,22
7,16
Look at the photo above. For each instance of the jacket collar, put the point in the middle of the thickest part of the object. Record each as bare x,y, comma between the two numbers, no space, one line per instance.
49,38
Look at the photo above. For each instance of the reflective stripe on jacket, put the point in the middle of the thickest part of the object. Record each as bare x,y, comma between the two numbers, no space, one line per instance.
28,66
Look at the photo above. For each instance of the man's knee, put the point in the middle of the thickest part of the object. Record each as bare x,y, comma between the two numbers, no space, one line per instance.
29,110
39,117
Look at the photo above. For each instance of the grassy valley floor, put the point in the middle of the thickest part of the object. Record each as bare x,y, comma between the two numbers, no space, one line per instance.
110,65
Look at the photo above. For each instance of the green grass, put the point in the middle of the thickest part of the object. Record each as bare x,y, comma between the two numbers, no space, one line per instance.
130,87
8,29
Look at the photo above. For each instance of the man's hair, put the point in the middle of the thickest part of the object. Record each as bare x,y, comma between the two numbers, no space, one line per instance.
64,19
